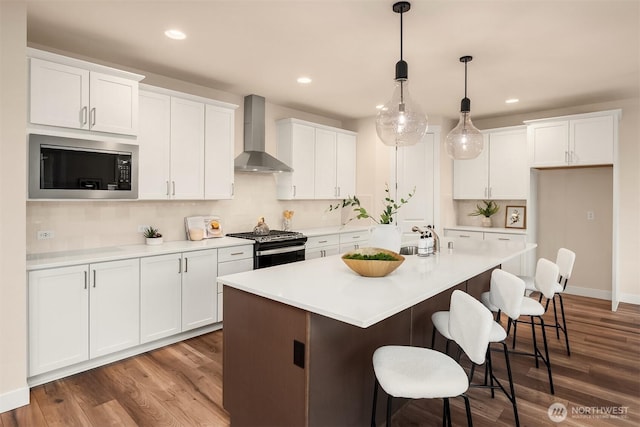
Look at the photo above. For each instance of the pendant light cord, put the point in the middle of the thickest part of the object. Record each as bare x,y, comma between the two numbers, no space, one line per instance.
465,79
401,32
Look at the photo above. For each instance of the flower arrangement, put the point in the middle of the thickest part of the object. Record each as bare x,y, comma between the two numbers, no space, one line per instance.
390,207
490,207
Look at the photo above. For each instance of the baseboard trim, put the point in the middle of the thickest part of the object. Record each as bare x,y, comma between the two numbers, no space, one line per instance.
14,399
630,298
588,292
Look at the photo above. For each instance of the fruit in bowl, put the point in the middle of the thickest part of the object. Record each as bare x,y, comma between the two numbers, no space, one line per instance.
372,262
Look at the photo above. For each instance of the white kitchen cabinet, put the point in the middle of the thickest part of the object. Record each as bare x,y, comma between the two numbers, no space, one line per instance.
322,246
160,296
577,140
323,161
186,146
199,288
500,172
58,318
154,142
353,240
516,265
114,301
82,312
69,93
187,149
218,153
231,260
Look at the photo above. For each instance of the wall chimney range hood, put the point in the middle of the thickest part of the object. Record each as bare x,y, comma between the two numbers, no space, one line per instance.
254,158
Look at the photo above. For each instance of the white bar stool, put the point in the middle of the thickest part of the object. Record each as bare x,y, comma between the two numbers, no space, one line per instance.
421,373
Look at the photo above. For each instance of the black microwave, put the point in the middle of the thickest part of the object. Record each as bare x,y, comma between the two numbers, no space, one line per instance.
68,168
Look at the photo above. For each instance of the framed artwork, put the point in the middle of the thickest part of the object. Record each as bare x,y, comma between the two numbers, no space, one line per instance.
515,217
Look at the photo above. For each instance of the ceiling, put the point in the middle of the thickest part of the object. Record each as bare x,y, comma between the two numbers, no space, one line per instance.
549,54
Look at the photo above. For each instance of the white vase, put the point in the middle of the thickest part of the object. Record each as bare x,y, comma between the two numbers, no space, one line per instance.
154,241
386,236
486,221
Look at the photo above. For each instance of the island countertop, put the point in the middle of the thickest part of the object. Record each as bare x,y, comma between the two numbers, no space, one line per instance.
326,286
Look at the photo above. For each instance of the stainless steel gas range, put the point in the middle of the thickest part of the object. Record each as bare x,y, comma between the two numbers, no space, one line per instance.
275,248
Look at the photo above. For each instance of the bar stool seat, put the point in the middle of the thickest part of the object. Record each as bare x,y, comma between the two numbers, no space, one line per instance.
440,320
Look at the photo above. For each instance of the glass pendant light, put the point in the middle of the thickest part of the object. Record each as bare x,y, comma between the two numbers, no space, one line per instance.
465,141
400,121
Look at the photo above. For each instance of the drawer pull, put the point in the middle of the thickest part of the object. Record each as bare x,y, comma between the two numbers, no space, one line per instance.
355,237
503,238
236,253
322,241
464,235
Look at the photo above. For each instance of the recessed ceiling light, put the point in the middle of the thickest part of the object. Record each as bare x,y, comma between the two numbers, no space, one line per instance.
175,34
304,80
511,101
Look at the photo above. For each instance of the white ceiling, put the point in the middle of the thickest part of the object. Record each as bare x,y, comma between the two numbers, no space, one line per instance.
549,54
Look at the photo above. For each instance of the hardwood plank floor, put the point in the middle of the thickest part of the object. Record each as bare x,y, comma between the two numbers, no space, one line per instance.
181,384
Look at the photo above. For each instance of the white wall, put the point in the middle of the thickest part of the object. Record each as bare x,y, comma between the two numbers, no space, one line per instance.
13,323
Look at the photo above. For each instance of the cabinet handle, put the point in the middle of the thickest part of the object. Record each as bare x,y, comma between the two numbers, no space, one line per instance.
566,157
186,265
236,253
464,235
93,116
322,241
503,238
356,246
94,278
84,115
489,192
355,237
167,188
572,156
173,184
179,266
485,192
85,280
233,189
294,191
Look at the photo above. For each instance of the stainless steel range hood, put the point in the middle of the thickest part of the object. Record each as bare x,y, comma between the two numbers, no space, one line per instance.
254,158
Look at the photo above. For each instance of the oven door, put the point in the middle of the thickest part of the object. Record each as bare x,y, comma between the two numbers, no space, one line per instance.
270,256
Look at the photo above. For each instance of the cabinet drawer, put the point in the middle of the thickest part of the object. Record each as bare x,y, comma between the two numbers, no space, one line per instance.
505,236
354,236
235,252
464,234
320,241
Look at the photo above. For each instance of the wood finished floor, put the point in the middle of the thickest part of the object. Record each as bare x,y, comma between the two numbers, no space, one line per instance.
181,385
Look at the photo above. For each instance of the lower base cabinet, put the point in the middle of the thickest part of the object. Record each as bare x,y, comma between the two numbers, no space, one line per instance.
80,312
199,288
515,266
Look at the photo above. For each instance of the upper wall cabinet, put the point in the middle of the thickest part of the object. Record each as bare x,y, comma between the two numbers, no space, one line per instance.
323,159
500,172
70,93
186,146
578,140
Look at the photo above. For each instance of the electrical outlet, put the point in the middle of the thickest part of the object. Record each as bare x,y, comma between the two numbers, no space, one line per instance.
591,215
44,235
141,228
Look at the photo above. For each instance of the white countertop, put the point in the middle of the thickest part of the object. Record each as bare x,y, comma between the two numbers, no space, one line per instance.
326,286
87,256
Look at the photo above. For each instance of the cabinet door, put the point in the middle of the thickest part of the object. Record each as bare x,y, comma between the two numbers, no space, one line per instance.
591,141
160,291
548,144
114,104
154,140
416,169
463,234
508,169
325,186
59,95
514,265
231,267
346,165
303,163
199,289
218,153
471,177
114,319
58,318
187,149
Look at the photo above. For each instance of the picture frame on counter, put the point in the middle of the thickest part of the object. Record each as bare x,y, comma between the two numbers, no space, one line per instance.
515,217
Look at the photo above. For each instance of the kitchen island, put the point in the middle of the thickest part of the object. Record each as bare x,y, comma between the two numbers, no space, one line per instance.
298,338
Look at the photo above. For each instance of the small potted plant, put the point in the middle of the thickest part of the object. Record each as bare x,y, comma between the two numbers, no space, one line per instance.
490,207
153,237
